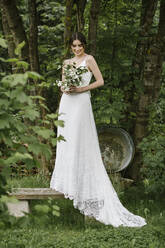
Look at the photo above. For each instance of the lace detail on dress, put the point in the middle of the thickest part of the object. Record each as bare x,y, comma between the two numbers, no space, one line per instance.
91,207
126,217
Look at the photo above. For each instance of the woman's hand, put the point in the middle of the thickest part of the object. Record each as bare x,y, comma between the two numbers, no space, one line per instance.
64,91
73,89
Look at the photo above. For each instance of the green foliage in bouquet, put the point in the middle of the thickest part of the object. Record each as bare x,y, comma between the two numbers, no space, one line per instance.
72,76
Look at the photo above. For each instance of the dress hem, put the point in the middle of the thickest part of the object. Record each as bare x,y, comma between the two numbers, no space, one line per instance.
71,197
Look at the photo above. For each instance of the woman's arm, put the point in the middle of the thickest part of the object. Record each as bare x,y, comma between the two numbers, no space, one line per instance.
63,77
93,67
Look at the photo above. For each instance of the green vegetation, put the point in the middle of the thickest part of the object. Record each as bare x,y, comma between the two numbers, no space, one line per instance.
70,230
24,137
31,181
153,146
129,49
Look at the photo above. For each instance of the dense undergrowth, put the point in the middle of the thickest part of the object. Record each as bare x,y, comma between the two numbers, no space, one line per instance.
42,229
71,231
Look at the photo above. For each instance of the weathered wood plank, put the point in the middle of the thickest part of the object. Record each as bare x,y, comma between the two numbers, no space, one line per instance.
35,193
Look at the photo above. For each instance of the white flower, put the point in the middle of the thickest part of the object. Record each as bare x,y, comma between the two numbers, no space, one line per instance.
73,76
59,83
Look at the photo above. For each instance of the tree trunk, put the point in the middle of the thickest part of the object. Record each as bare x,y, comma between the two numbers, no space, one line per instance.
115,37
8,35
144,63
147,15
149,62
80,14
15,25
93,21
161,30
68,26
33,36
34,66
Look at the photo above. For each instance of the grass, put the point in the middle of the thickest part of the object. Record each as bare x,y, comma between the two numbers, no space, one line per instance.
93,236
44,230
32,181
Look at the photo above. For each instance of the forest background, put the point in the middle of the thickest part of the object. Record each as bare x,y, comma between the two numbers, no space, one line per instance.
127,39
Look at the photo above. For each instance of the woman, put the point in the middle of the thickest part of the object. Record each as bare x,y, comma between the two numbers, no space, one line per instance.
79,171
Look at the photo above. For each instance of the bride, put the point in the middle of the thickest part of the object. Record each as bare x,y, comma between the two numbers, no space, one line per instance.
79,171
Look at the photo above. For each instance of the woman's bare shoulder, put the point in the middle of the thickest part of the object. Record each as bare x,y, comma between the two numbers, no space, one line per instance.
90,58
67,61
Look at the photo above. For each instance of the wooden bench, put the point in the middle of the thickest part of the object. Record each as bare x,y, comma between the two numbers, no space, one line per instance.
25,194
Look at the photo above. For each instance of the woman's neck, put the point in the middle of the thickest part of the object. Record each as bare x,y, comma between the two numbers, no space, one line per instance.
79,56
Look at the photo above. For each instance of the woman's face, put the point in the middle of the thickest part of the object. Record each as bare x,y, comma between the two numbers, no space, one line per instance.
77,48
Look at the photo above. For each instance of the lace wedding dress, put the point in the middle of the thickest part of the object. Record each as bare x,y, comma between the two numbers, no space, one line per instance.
79,171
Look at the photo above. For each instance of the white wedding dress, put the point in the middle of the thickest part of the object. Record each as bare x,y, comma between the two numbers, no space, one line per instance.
79,171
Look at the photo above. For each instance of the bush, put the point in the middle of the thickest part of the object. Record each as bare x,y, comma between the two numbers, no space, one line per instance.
152,148
23,132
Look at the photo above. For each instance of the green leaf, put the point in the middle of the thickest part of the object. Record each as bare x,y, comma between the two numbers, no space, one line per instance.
7,199
19,126
44,106
55,207
31,114
18,157
2,59
11,60
19,48
6,138
60,137
52,116
2,161
14,79
4,123
38,97
28,139
22,97
3,43
23,64
34,75
4,102
43,84
43,149
42,208
46,122
19,95
59,123
54,141
45,133
46,150
133,114
133,242
55,213
35,148
6,170
2,225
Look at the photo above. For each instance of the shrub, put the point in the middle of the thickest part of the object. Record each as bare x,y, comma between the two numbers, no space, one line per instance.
23,132
153,146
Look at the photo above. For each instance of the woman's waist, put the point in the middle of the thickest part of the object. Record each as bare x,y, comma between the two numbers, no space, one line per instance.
78,93
82,84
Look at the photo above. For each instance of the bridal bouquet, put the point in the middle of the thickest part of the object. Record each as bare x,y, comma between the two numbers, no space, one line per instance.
72,75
